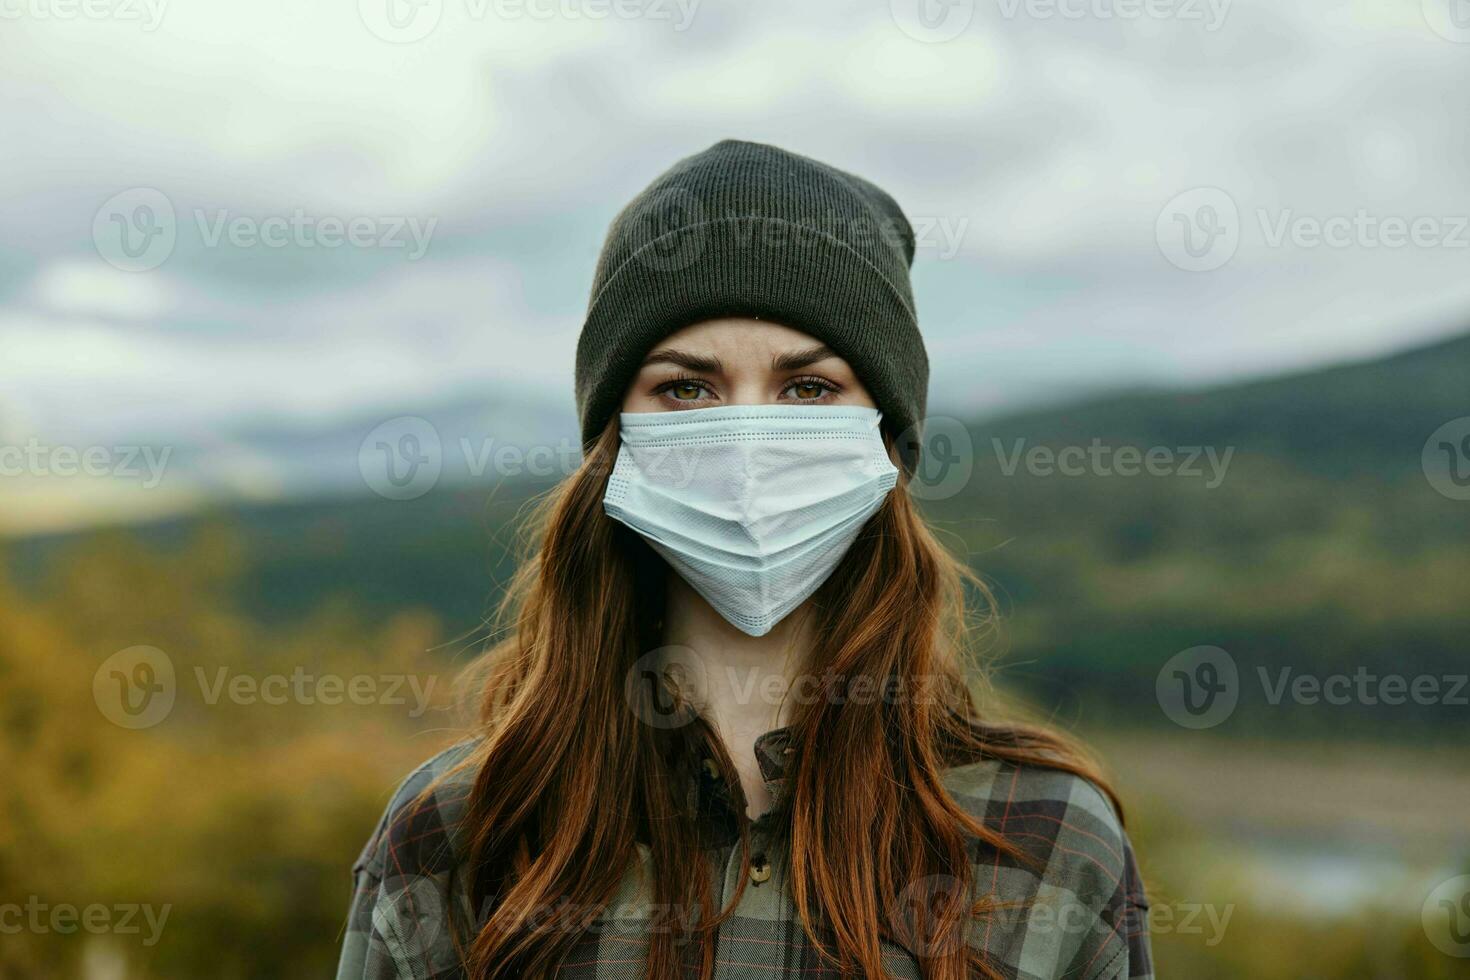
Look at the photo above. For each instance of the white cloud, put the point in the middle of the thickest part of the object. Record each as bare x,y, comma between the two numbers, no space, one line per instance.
1057,142
75,286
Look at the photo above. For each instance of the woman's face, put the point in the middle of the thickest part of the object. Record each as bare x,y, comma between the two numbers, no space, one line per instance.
741,361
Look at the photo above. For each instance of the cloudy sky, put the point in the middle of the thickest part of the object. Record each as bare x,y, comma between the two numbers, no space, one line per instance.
222,216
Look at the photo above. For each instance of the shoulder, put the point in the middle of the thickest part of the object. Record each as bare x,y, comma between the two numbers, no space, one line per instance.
1074,867
404,894
418,833
1058,817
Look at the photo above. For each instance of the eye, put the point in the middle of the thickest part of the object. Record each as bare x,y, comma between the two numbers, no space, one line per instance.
809,389
684,390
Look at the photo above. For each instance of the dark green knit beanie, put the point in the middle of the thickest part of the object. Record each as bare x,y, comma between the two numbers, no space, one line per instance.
745,229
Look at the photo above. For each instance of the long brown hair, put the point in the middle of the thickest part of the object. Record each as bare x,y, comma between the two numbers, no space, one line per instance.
568,781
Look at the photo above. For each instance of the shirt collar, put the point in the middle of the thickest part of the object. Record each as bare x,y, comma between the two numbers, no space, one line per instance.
716,798
773,752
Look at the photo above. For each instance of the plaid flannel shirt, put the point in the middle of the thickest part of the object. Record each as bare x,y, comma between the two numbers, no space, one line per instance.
1077,910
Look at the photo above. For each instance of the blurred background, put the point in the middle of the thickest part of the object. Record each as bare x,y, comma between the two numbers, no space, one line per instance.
289,293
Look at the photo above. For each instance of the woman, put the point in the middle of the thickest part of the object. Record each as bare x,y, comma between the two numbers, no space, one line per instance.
730,734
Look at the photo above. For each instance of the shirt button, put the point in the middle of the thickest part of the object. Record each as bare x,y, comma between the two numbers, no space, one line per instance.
760,871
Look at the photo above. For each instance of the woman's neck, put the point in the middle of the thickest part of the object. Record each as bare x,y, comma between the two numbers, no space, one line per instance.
742,681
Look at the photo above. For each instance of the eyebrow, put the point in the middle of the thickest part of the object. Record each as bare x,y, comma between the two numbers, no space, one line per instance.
798,359
684,359
790,361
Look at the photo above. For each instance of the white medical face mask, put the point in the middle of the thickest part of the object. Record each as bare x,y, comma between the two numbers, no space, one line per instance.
753,505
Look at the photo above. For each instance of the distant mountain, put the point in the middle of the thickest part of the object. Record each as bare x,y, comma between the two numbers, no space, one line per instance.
467,439
473,435
1367,417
